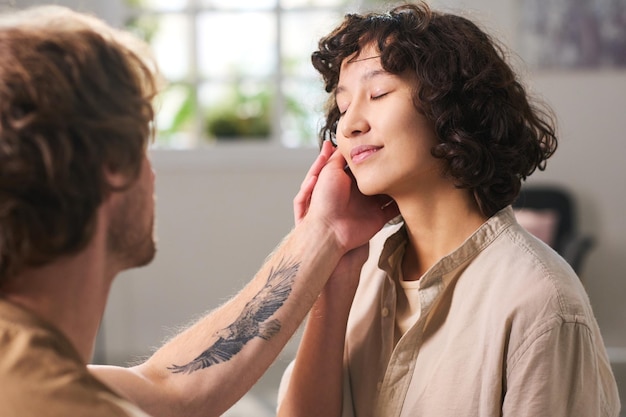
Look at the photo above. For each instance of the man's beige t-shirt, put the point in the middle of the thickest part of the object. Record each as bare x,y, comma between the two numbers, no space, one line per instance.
41,374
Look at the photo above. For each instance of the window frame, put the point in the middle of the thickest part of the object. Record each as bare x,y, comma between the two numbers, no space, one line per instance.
194,81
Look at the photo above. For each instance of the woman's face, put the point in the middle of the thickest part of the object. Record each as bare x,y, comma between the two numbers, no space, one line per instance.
386,141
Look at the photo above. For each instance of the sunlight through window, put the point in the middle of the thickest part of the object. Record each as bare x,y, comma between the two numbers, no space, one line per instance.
237,70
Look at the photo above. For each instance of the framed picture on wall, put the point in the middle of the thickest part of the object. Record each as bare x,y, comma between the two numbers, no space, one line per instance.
572,34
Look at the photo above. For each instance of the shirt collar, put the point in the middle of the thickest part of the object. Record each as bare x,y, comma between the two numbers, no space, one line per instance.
395,246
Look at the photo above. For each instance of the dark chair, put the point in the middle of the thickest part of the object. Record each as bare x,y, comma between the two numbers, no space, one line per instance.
559,203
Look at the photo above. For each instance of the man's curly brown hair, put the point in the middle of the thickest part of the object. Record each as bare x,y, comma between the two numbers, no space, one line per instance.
491,134
75,102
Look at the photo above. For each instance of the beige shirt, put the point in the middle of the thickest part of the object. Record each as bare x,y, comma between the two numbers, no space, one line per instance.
41,374
505,329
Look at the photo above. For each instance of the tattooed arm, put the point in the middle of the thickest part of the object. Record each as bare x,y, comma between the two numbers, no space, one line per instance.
206,368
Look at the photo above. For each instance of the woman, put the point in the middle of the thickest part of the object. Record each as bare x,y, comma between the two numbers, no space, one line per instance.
457,311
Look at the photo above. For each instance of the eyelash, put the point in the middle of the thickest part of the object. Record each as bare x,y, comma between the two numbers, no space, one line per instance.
373,98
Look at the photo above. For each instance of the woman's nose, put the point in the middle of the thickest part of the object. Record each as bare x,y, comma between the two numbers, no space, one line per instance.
353,122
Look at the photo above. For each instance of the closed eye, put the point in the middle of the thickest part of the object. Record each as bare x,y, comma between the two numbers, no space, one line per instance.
379,96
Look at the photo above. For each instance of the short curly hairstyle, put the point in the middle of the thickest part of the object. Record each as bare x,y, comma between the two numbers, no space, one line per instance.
491,134
75,102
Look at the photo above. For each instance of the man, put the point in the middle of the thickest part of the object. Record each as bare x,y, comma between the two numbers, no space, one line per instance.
77,207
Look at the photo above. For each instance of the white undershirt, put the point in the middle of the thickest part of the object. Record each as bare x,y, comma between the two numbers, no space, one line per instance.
408,305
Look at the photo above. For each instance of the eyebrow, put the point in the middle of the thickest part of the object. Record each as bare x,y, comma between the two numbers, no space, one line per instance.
366,77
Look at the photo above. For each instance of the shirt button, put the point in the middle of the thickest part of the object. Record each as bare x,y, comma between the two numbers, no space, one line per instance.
385,312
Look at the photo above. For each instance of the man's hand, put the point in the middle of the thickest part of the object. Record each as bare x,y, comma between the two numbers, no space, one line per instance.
329,195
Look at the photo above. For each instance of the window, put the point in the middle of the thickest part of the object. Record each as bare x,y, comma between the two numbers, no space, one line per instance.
237,70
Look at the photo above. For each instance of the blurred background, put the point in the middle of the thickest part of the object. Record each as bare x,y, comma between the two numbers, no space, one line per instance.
237,131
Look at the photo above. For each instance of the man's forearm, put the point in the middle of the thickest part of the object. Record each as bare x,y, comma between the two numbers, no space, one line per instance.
209,366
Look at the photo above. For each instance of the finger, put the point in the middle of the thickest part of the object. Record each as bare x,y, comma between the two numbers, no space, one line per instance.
327,148
302,200
321,160
337,160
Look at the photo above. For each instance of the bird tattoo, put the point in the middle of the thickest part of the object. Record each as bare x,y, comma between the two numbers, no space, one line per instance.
252,321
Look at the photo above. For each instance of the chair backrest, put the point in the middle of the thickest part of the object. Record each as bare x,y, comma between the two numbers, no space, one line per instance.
551,198
560,205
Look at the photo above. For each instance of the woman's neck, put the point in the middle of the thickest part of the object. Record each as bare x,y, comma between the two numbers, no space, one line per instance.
436,226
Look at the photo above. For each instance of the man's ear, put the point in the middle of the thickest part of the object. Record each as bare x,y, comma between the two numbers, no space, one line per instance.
117,180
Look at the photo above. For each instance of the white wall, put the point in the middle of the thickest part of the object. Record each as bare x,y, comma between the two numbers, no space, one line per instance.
590,161
220,212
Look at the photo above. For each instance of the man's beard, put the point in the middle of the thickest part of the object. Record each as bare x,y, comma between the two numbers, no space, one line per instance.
130,241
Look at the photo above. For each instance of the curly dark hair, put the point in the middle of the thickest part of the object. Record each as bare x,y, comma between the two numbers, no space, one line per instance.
490,133
75,102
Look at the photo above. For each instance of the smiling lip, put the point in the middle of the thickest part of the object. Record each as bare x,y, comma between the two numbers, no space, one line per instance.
362,152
